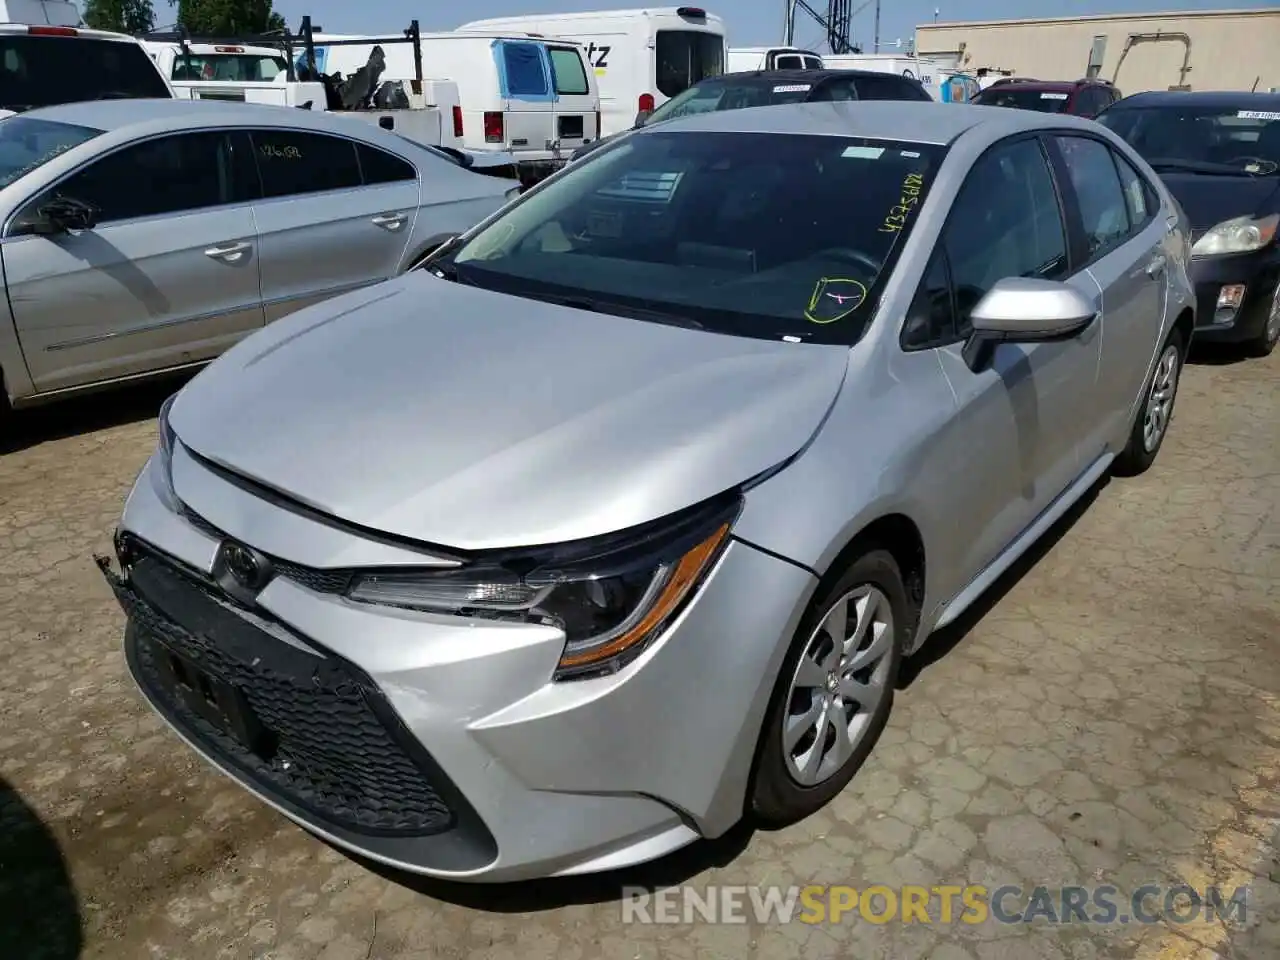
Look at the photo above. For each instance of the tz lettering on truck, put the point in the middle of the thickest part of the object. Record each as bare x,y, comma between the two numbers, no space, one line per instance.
598,55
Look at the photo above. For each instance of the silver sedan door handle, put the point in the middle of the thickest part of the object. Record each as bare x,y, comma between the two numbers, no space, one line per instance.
230,252
1156,266
389,221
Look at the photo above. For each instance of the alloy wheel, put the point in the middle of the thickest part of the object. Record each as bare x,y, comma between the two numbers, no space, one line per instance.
1272,333
840,679
1160,400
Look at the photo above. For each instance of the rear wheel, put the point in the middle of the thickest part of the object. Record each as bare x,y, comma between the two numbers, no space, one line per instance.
1269,335
834,692
1152,423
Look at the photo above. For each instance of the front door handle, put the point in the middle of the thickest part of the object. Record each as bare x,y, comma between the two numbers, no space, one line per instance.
389,221
229,252
1156,267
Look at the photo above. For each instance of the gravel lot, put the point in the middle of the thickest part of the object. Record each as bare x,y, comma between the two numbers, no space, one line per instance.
1112,715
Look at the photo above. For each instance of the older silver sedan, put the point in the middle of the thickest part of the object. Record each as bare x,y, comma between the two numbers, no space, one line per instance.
614,523
145,235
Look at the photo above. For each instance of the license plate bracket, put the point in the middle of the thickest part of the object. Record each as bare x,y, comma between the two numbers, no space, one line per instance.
221,704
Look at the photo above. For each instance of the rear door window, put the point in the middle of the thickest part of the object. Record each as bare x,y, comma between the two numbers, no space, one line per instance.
567,71
293,162
45,71
524,70
683,57
889,87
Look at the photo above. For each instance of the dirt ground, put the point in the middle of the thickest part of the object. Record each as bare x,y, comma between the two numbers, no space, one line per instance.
1110,715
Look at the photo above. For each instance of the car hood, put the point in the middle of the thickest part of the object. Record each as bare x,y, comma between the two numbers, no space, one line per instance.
1208,200
472,419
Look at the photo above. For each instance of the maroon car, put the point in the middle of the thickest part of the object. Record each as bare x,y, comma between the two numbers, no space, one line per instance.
1082,98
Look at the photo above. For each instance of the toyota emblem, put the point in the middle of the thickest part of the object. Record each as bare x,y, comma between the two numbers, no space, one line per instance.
248,568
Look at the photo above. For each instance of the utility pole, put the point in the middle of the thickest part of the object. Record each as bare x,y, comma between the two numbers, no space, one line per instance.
876,41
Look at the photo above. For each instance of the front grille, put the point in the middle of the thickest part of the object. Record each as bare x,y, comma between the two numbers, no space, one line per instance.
331,745
313,578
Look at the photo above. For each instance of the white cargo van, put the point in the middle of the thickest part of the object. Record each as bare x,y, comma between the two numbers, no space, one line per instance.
536,99
46,13
641,58
747,59
926,71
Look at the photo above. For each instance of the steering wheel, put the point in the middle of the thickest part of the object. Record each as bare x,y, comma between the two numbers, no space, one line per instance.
850,255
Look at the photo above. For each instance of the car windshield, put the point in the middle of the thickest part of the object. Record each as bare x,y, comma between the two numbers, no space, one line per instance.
27,143
729,94
1046,101
1219,140
686,56
759,235
235,67
45,71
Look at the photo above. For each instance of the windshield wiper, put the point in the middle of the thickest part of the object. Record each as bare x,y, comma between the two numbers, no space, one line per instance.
616,309
1200,166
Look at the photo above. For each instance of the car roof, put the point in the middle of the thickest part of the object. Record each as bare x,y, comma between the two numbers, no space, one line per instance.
906,120
144,113
1210,99
795,75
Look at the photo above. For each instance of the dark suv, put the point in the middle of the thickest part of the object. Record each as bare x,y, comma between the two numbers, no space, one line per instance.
1081,98
762,88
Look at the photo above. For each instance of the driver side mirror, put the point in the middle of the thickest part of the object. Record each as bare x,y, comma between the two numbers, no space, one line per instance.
62,214
1025,310
642,118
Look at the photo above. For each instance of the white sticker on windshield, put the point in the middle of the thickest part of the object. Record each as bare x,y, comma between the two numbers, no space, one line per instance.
863,153
1053,96
793,88
1258,115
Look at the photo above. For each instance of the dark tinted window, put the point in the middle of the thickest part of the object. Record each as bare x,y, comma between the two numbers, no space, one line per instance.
293,162
889,87
27,143
43,71
182,172
788,61
525,74
1005,223
378,166
761,235
1091,100
730,94
1241,139
686,56
837,90
931,321
1016,95
1103,211
567,70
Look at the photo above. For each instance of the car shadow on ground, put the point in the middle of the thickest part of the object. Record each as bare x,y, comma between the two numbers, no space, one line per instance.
100,410
39,914
1216,355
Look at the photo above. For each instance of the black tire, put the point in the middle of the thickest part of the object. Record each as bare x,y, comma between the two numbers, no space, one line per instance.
1136,457
1269,335
776,797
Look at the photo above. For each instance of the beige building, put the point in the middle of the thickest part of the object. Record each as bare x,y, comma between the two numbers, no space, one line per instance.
1202,50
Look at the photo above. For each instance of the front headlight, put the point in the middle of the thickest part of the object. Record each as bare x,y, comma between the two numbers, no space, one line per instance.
611,596
1238,235
163,468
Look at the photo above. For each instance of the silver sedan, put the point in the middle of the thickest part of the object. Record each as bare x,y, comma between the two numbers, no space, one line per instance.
614,524
141,236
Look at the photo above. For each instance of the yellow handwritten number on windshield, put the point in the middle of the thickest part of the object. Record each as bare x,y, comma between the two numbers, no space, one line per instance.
275,152
896,218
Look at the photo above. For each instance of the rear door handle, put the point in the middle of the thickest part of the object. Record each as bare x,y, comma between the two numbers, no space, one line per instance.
389,221
1156,266
229,252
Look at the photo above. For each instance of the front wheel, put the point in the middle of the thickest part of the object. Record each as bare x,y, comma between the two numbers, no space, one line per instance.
1152,423
1269,335
834,692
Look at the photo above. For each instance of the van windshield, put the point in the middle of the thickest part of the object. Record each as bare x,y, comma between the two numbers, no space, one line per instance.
235,67
46,71
686,56
757,235
27,143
